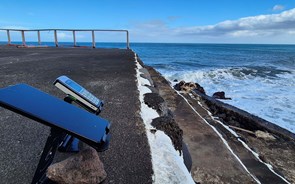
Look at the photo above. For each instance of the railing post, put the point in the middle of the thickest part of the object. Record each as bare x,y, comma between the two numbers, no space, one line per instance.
55,38
70,30
39,37
93,39
23,37
128,46
8,37
74,38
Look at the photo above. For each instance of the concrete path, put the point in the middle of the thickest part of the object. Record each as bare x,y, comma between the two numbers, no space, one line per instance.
107,73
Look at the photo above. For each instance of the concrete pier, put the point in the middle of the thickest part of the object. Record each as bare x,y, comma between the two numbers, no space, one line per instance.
107,73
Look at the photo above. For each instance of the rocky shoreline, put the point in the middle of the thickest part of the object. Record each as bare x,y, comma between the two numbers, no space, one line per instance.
273,144
264,150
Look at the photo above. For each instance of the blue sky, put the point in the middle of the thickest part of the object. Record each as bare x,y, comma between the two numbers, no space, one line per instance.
205,21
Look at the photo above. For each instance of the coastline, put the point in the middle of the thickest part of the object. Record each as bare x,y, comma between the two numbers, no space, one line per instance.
187,123
259,79
261,158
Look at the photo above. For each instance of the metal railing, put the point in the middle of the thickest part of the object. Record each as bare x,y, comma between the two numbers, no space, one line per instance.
56,33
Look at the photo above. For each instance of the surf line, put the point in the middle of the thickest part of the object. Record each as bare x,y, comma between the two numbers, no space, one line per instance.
256,155
221,137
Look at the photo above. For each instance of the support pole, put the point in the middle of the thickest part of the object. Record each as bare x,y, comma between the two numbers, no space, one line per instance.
39,37
74,38
55,38
23,38
8,37
128,46
93,39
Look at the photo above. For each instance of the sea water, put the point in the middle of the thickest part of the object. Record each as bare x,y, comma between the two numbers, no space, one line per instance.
260,79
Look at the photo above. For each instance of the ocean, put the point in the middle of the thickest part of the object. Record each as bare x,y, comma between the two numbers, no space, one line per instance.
259,78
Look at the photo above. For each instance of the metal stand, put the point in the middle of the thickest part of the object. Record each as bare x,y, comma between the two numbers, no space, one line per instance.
53,140
66,123
59,140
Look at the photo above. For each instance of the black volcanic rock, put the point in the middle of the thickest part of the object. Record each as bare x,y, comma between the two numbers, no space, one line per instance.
200,88
188,86
155,101
220,95
170,128
178,85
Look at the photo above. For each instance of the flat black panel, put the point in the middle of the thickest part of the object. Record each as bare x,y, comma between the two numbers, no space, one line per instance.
54,112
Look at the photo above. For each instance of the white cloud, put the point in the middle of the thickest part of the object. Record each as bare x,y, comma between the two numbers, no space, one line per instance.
248,26
244,33
62,35
173,18
150,30
278,7
271,28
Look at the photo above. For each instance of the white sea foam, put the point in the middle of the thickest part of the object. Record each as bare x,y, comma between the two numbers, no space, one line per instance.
271,98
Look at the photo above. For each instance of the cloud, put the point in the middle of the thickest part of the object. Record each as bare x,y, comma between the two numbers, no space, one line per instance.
63,35
260,25
150,28
278,7
271,28
173,18
152,24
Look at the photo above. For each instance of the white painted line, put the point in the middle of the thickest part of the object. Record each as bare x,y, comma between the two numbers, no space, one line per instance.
168,166
244,144
221,137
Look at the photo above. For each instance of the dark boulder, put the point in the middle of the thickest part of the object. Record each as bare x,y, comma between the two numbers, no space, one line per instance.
188,86
220,95
178,86
200,88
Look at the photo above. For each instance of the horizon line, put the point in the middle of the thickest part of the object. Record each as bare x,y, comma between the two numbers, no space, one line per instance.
136,42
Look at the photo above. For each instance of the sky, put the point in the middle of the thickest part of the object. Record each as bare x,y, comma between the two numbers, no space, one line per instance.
173,21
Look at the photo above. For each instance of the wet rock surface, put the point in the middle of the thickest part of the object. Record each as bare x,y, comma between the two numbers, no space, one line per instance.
170,128
220,95
188,86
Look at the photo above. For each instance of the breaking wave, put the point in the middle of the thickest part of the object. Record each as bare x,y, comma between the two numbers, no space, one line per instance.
259,78
258,90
